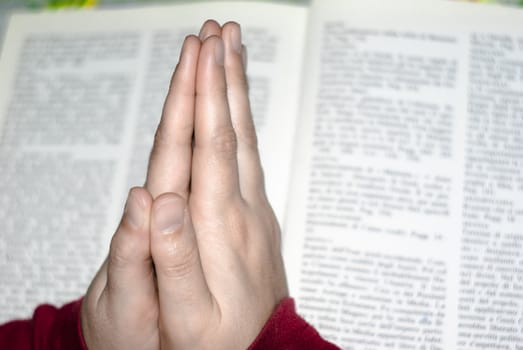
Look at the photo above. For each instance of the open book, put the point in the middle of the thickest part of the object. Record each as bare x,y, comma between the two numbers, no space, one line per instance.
391,135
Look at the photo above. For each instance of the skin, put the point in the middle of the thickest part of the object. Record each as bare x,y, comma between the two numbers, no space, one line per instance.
196,261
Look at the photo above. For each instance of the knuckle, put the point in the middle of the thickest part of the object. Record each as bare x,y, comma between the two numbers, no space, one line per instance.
160,137
237,75
119,252
274,230
240,231
180,137
225,143
217,90
184,131
180,262
248,137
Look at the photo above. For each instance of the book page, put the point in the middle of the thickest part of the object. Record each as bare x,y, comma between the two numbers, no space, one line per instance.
80,98
406,210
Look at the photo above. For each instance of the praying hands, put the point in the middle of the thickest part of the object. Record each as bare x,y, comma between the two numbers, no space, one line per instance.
195,262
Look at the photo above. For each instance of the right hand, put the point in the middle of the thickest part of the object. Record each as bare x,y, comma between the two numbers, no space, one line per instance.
217,256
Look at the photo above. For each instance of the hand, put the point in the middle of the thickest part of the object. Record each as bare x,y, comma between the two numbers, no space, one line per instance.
214,240
219,267
120,309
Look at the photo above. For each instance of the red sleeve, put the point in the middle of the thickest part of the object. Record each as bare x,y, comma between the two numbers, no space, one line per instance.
60,329
49,329
286,330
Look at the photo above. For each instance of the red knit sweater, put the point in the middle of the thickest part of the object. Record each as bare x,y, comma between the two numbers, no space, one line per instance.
59,329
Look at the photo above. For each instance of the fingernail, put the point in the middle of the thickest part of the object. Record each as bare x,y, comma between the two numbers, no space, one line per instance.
219,52
169,214
236,38
133,212
182,48
203,34
244,57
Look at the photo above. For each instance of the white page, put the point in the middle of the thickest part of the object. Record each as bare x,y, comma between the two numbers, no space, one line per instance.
80,97
375,214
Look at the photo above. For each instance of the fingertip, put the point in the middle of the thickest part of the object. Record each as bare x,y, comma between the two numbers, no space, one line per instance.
130,243
210,27
212,44
168,211
212,55
232,34
136,208
192,40
230,24
142,195
190,50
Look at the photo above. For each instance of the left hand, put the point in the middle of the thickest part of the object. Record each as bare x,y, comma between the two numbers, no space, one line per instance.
121,309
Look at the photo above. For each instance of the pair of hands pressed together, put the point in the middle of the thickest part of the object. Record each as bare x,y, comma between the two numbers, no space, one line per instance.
195,262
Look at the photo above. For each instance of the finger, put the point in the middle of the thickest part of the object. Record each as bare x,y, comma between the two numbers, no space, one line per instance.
209,28
183,293
249,166
170,161
215,168
97,285
129,266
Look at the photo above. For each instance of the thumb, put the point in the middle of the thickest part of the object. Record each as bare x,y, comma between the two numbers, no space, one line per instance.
128,299
185,299
130,270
